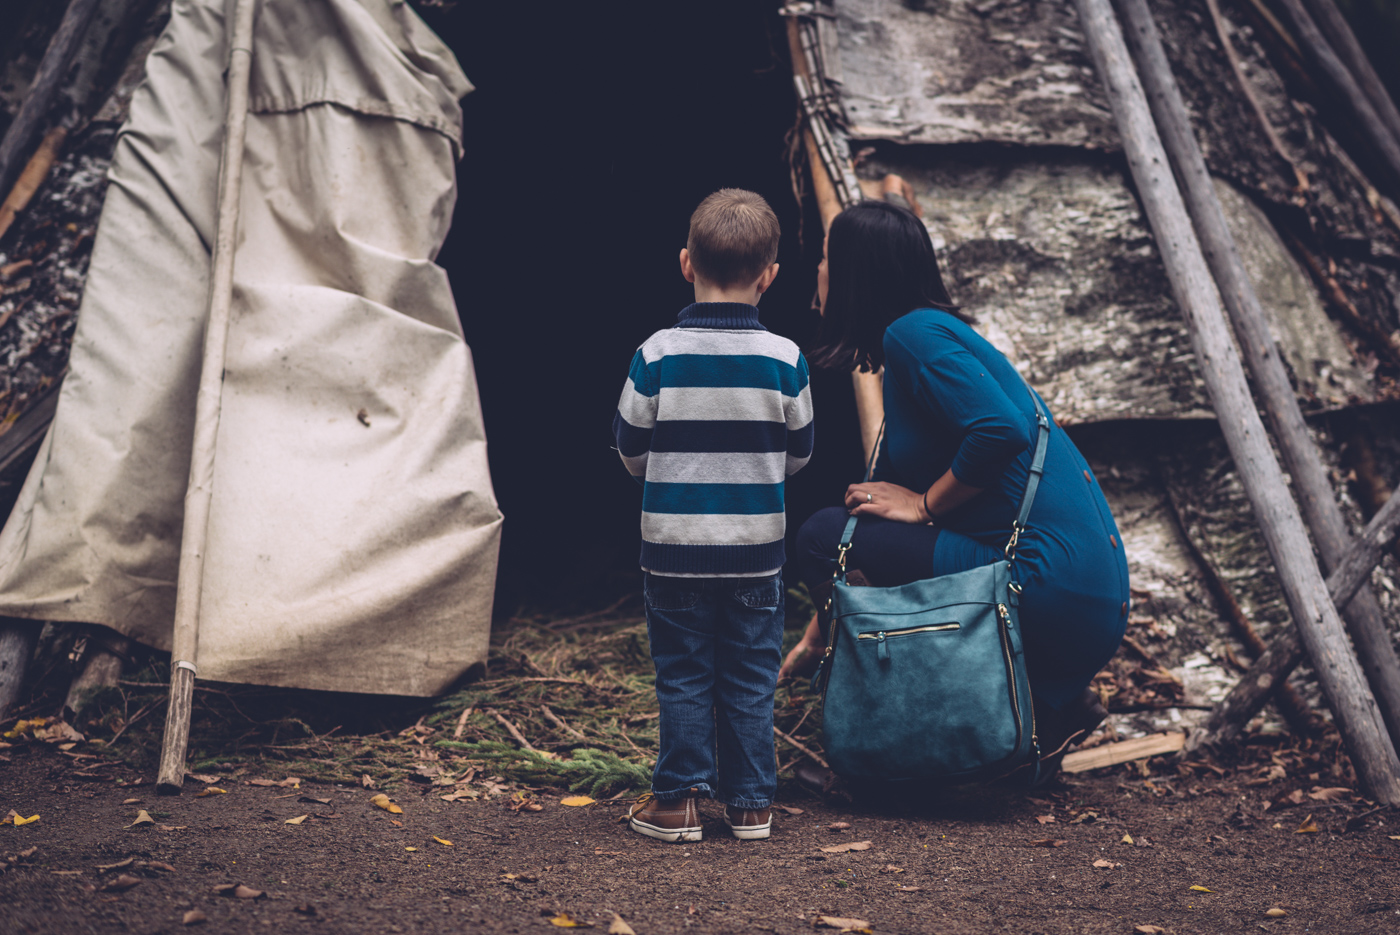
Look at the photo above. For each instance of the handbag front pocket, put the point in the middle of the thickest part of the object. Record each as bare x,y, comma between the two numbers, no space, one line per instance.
881,637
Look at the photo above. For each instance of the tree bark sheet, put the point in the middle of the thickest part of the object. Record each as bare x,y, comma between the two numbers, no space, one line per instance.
1004,135
354,533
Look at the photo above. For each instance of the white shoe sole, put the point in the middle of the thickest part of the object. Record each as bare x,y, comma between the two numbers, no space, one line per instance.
671,835
750,832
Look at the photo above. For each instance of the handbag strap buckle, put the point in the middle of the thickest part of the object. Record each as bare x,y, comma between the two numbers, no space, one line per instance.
1015,538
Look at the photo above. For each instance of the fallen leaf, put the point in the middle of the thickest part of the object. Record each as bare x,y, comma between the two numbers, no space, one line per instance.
1201,889
130,801
313,800
210,790
788,809
171,827
1149,929
246,892
296,821
366,781
410,849
203,777
195,917
845,925
142,818
1307,827
18,820
1127,839
566,921
460,794
121,883
383,802
28,852
843,848
103,868
1394,837
442,841
156,865
891,868
620,927
577,801
1276,913
1049,842
1045,819
1334,794
1106,864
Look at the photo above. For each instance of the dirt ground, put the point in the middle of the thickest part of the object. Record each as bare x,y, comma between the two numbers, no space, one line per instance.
962,864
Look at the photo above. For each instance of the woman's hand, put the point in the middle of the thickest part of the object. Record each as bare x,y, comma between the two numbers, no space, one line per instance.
887,501
802,661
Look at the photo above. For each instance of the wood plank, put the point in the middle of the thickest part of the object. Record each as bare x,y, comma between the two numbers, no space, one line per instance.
1124,751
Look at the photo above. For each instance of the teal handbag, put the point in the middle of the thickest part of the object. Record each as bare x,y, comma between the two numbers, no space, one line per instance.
926,682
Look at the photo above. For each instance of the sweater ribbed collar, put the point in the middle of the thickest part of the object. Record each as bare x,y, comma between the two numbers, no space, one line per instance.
727,315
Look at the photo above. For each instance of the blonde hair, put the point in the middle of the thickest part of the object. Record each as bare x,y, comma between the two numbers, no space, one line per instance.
733,237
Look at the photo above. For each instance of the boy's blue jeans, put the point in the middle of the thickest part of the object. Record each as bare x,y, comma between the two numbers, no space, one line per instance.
717,646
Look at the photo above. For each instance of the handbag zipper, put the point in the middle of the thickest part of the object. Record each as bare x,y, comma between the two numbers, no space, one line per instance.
1005,618
931,628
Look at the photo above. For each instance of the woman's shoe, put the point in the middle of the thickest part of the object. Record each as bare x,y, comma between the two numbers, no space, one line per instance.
1059,730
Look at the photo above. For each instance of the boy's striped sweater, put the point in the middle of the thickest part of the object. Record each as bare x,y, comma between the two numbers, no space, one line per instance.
715,415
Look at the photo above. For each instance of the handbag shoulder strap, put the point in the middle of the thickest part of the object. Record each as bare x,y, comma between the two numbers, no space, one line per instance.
1037,469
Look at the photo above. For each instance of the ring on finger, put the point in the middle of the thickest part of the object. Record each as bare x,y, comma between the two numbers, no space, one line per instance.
869,498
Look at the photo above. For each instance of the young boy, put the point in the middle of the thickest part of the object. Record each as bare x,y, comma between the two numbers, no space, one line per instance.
715,414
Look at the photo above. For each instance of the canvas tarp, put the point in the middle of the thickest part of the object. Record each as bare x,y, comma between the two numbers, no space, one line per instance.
354,532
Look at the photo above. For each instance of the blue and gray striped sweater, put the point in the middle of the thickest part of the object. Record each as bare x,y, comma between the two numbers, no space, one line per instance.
715,415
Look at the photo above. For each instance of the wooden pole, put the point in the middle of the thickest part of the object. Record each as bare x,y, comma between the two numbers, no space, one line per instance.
1318,623
1301,458
1284,653
867,387
1316,47
32,177
207,404
53,69
1343,41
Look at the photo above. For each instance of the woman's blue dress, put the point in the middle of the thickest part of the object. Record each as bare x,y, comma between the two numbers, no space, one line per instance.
952,400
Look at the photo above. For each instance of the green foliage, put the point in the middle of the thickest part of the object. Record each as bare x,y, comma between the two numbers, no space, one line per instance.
594,771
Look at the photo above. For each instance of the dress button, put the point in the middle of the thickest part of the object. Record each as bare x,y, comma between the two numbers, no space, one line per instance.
1114,540
1088,477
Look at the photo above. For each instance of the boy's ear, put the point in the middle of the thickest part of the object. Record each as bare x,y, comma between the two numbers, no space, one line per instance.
766,280
687,270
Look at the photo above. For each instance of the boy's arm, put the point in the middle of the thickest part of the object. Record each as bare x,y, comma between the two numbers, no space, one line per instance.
799,421
635,419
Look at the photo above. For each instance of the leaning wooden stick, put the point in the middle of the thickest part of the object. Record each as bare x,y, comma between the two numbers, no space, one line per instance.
53,69
1279,521
199,494
1311,484
1286,650
1343,41
1324,58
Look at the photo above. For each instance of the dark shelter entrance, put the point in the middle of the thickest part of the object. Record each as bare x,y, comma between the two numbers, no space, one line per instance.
593,133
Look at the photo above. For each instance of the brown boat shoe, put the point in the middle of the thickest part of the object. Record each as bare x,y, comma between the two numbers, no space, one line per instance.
748,824
666,819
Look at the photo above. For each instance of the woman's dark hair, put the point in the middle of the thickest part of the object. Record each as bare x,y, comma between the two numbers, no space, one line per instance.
880,266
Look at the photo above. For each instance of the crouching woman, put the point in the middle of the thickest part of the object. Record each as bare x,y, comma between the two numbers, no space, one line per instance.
960,428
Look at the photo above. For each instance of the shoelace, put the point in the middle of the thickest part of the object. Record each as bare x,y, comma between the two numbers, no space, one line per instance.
641,802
